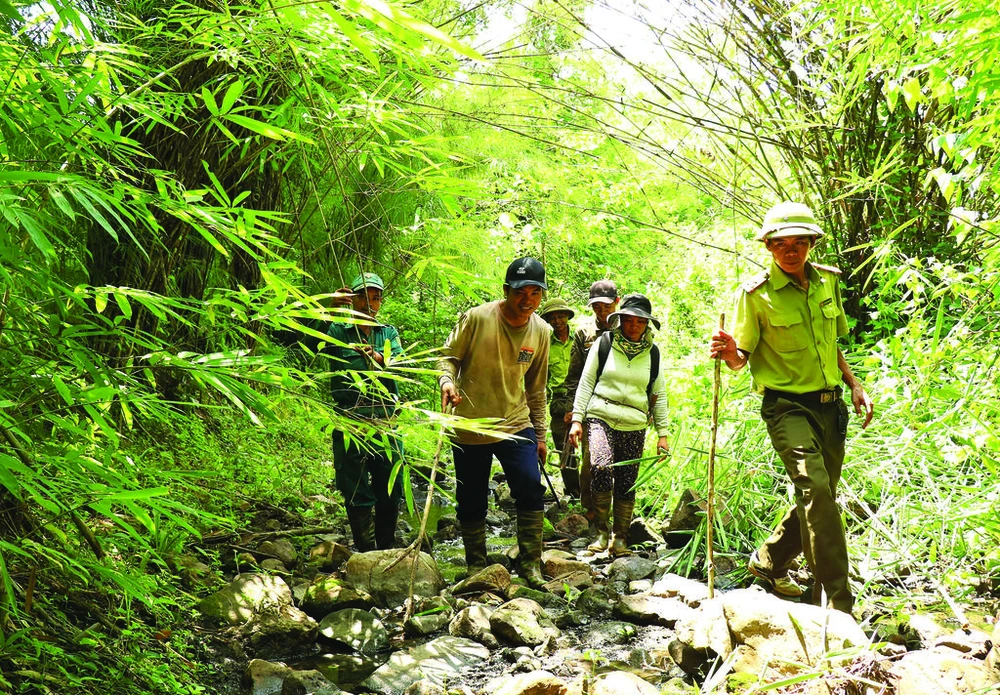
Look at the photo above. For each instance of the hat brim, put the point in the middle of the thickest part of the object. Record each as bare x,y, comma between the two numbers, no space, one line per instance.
602,300
565,310
790,230
518,284
373,285
638,313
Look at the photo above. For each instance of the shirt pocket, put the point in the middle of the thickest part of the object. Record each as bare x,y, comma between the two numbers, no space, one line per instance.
830,314
788,333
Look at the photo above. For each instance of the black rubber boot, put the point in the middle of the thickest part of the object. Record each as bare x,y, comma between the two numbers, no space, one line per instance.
362,521
386,519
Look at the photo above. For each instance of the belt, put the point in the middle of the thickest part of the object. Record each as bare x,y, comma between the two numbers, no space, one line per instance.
824,396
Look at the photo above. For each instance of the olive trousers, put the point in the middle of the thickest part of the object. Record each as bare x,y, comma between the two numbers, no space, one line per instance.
809,439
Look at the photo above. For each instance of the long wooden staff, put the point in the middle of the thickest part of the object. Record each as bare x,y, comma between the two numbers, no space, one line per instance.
710,535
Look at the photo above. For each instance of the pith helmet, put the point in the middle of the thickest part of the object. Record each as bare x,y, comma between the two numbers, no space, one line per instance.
789,219
555,304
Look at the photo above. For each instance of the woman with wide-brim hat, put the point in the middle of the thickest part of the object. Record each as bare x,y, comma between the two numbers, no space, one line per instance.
621,386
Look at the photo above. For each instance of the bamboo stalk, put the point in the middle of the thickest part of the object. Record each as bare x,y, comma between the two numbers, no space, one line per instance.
710,535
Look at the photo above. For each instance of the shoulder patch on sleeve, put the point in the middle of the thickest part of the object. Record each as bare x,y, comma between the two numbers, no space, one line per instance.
828,268
755,283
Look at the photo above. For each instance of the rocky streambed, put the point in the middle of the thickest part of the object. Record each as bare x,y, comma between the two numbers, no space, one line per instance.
325,620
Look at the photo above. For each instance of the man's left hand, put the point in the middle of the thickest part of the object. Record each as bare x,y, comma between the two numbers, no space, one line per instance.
543,453
862,404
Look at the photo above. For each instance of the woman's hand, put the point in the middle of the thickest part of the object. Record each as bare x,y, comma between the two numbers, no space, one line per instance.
575,434
663,447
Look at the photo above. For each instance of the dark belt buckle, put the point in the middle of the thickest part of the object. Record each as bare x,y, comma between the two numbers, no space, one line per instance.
827,396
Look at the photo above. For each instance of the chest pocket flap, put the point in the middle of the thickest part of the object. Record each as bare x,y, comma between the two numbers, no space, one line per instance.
831,311
788,332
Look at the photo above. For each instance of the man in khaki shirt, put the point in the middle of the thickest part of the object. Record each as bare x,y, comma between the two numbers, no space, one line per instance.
786,326
495,365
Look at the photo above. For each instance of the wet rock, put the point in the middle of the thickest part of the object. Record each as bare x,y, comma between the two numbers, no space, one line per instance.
448,529
355,629
327,594
594,603
425,688
344,668
522,621
692,661
973,643
642,532
532,683
329,555
282,549
609,633
920,632
648,609
932,672
686,517
280,631
194,573
543,598
494,579
640,586
993,658
369,572
687,590
573,580
622,683
264,677
473,623
434,662
308,683
273,565
630,569
571,619
772,635
706,629
556,563
244,563
503,496
573,526
429,616
245,596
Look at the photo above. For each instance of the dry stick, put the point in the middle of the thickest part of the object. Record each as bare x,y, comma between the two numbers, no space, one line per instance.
415,545
709,536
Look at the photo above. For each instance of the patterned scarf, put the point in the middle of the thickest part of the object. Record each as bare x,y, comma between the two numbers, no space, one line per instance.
632,348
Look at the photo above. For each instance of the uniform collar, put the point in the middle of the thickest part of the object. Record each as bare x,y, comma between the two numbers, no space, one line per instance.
779,278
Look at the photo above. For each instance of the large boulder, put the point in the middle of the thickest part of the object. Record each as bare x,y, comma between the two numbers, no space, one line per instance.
244,597
387,581
355,629
622,683
327,594
777,635
649,609
937,671
533,683
473,622
280,549
280,631
522,622
436,661
495,579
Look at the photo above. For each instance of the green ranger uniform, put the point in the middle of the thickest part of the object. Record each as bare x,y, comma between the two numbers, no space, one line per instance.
790,335
561,402
362,474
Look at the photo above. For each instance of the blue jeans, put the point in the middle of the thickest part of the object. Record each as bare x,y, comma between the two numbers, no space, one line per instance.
519,460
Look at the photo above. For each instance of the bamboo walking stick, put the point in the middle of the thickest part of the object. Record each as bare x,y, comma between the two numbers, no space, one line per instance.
710,535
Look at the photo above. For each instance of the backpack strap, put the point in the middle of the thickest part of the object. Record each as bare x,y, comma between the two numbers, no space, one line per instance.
603,350
654,369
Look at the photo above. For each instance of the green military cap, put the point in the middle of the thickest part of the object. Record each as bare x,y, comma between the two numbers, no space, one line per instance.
555,304
367,280
789,219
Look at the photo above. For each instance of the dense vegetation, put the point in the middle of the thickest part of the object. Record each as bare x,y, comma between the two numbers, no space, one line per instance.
182,183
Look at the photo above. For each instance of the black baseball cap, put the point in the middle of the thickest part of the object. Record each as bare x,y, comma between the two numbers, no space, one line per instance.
525,271
603,291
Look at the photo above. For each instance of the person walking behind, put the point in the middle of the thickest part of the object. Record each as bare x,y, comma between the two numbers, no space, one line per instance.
622,384
556,313
603,302
363,469
495,365
786,326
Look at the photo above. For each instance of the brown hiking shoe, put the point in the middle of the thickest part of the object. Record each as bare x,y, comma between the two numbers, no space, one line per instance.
781,585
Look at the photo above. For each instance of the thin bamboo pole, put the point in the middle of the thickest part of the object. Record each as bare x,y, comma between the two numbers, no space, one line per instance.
710,535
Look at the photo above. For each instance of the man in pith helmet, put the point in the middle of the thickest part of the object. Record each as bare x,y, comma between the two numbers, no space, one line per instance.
787,322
